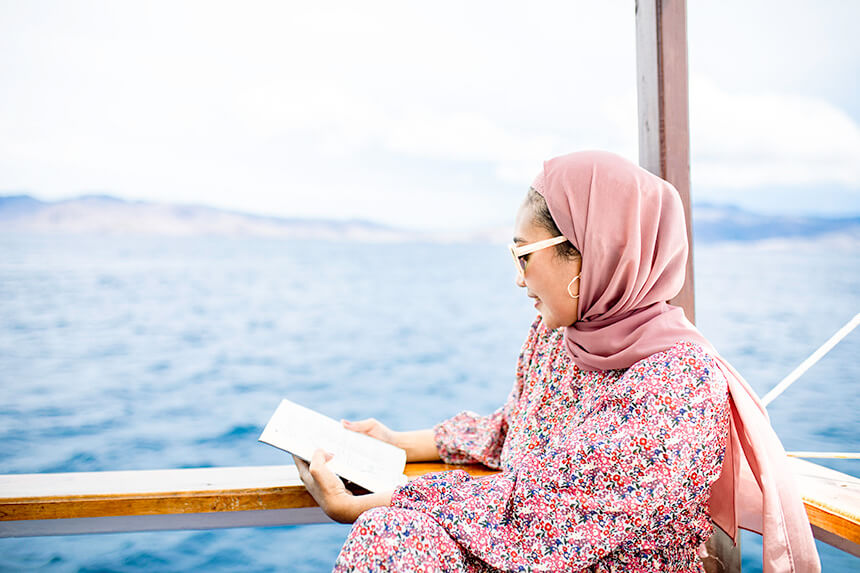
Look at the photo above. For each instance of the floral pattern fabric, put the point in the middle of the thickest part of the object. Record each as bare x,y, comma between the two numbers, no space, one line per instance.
600,471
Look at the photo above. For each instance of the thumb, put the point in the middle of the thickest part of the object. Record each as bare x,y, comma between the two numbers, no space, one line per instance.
320,458
322,474
318,467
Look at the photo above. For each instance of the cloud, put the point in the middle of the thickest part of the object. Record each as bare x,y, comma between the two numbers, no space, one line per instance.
754,139
207,102
363,110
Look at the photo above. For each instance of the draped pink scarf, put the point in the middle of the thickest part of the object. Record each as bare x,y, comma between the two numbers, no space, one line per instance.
629,226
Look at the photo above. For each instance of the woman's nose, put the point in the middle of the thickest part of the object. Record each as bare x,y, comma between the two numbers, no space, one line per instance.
520,280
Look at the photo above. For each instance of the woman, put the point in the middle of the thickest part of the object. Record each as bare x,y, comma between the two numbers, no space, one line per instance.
625,434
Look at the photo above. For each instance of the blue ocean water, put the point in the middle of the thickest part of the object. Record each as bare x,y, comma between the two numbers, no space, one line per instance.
144,353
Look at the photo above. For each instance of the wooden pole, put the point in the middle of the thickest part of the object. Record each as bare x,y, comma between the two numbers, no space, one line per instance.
664,132
664,149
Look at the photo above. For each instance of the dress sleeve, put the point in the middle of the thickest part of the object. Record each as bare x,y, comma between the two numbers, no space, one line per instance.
471,438
644,457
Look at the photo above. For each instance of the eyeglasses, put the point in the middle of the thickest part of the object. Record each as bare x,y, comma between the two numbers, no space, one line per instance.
520,253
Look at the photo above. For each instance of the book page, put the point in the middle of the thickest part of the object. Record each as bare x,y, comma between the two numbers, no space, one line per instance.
368,462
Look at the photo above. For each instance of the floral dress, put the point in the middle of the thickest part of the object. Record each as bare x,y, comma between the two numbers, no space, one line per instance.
600,471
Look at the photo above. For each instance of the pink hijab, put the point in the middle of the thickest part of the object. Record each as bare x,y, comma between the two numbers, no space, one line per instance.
629,226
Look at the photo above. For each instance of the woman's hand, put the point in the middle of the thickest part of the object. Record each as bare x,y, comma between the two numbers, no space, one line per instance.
326,488
420,445
374,429
331,494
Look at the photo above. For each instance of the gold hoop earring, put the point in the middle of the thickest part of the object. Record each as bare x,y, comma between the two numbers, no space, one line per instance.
570,284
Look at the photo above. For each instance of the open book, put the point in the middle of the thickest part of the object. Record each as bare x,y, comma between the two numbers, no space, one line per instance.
368,462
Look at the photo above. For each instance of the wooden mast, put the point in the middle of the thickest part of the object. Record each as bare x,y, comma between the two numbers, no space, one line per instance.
664,126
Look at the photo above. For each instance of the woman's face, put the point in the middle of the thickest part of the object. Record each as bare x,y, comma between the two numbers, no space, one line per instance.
547,275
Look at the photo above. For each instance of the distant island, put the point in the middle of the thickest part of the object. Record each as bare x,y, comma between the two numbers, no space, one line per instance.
107,215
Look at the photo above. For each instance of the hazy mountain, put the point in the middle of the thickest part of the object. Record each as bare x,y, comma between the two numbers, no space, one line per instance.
713,223
102,214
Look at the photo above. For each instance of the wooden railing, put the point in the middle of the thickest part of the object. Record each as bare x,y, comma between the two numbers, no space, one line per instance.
146,500
832,501
207,498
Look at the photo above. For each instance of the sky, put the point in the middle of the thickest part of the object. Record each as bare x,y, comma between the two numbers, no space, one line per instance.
419,115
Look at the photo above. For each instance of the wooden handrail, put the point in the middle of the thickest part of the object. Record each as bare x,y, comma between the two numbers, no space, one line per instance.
159,492
89,502
832,501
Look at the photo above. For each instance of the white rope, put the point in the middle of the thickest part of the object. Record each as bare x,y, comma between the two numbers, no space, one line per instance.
825,455
809,362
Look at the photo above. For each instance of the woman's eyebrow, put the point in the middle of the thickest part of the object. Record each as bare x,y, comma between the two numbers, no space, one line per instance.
519,240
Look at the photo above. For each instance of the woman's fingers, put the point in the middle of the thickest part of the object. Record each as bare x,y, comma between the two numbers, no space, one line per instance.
326,488
302,466
316,475
320,481
363,426
372,428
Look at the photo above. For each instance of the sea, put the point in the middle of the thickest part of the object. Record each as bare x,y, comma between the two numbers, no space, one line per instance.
132,353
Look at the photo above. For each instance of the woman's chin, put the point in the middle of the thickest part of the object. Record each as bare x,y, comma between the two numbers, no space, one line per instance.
551,322
548,321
